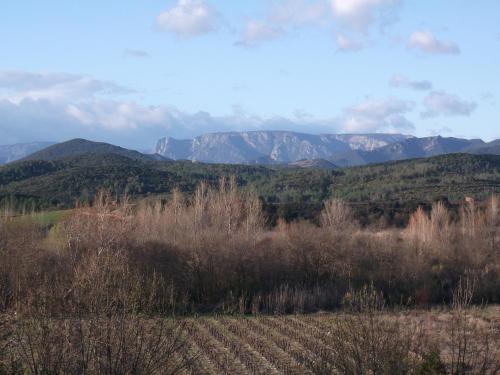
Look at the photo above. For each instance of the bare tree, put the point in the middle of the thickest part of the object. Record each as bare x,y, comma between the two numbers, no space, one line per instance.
338,216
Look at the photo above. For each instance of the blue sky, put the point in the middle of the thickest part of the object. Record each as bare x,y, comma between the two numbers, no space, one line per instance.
129,72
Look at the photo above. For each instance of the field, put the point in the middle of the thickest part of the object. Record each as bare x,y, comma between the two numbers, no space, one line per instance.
43,219
439,341
293,344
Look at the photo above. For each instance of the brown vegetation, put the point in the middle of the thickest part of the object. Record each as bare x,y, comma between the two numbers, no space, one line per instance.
103,266
214,252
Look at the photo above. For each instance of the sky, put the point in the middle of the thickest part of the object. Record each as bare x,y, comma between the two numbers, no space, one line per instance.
129,72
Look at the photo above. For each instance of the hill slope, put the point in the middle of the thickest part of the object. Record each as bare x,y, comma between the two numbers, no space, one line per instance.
382,189
491,148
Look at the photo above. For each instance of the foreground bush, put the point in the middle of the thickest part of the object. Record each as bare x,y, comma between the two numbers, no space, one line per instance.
214,252
99,345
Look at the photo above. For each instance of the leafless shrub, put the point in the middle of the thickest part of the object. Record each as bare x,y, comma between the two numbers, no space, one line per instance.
493,223
430,230
471,220
364,342
97,345
440,224
473,349
101,228
419,227
338,217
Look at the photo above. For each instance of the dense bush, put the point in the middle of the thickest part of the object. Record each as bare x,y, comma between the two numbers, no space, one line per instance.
214,252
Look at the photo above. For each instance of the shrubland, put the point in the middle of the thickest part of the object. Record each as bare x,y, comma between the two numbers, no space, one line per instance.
213,251
123,274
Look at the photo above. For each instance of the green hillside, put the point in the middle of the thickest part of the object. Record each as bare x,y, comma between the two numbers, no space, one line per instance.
388,190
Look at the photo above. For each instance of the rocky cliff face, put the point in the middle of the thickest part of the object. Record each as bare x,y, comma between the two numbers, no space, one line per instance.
274,146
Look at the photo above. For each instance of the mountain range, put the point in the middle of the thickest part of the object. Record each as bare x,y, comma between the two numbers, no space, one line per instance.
298,150
341,150
270,147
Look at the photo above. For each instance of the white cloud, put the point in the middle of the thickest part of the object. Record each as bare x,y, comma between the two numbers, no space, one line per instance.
189,18
19,85
345,44
427,42
281,18
130,124
91,110
360,14
353,16
258,31
378,115
404,82
124,123
440,103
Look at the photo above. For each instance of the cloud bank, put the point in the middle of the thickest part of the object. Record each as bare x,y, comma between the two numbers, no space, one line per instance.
440,103
378,115
60,106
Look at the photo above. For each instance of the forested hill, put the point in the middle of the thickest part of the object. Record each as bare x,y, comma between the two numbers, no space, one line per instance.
78,147
382,189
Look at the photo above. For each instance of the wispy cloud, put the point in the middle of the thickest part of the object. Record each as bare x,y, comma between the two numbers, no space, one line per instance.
400,81
189,18
256,32
19,85
377,115
346,44
281,18
426,42
298,12
351,20
135,53
440,103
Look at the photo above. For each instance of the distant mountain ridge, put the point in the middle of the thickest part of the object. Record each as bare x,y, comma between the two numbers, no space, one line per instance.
271,146
412,148
78,147
10,153
299,150
342,150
